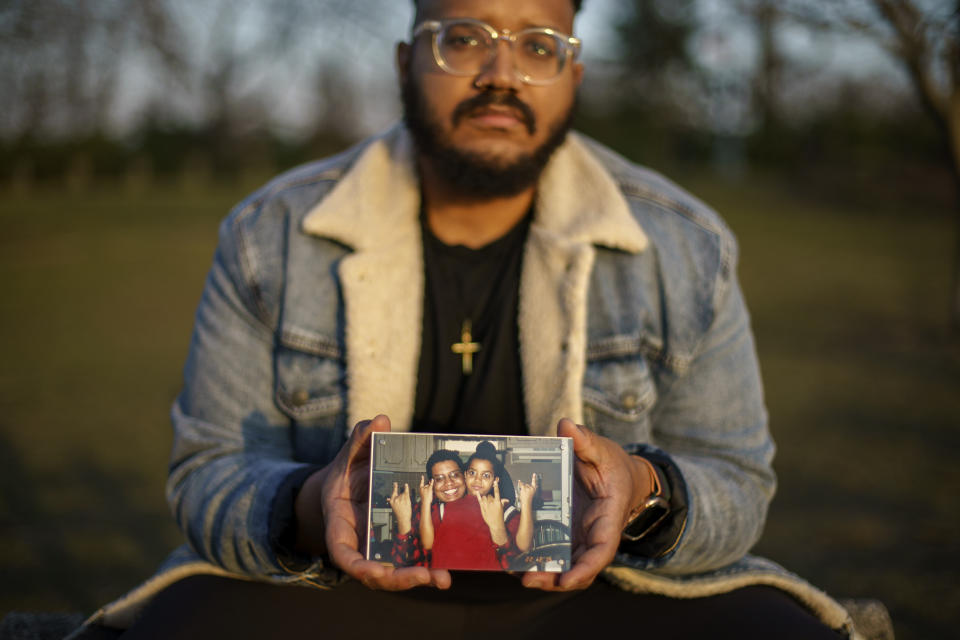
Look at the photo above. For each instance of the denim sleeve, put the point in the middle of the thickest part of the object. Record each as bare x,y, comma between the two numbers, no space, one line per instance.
232,453
711,424
283,521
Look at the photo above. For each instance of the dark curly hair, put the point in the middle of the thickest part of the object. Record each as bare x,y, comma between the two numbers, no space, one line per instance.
439,456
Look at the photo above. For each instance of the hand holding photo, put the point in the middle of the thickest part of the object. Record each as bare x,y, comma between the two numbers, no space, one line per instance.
467,512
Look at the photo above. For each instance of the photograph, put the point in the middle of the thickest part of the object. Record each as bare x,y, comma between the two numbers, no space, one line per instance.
482,503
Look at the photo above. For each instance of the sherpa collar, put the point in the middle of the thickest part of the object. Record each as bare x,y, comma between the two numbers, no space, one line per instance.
577,199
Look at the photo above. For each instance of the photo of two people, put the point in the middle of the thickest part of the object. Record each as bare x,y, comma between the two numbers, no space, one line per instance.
487,503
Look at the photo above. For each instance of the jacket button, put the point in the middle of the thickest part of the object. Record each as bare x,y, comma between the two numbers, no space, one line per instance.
629,400
300,397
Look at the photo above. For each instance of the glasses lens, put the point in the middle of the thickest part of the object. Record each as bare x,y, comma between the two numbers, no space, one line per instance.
464,47
539,56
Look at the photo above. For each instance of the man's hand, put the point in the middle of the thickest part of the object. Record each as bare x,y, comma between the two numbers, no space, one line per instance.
609,483
331,511
402,509
491,508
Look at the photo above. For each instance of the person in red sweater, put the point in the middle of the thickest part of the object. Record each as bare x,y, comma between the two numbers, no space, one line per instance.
480,531
484,530
446,476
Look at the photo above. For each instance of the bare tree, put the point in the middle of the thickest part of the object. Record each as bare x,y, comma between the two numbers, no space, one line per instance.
219,64
60,61
653,36
765,16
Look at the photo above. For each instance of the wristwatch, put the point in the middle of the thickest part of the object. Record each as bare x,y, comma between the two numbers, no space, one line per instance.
651,512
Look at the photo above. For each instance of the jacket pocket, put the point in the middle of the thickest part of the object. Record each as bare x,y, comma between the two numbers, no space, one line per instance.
619,393
310,388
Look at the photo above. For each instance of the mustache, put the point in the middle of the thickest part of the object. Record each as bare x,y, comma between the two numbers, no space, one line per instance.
500,99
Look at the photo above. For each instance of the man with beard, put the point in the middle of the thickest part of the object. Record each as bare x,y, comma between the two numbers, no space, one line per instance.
476,270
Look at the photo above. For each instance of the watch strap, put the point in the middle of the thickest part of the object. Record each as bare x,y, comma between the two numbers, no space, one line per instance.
653,510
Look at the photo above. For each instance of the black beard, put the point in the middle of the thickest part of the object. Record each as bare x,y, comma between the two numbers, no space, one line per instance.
471,174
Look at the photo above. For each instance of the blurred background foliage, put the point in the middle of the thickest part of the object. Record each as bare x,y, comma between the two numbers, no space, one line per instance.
825,131
845,91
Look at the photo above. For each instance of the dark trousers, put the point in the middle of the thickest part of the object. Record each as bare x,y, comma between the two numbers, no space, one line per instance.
482,606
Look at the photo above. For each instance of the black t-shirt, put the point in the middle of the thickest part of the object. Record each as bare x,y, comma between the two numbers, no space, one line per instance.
479,287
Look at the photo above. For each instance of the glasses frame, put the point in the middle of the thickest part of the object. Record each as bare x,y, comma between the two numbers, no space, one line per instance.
570,44
453,476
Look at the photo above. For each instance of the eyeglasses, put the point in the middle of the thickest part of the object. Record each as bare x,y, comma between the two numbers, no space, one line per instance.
453,476
485,476
464,47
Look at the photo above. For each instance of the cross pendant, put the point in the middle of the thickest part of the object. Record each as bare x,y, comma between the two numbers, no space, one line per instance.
466,347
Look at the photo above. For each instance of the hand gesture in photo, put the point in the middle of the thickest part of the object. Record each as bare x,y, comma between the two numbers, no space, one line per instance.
491,508
426,517
426,492
525,495
527,492
402,509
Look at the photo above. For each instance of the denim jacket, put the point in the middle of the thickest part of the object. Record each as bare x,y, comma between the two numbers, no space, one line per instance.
631,322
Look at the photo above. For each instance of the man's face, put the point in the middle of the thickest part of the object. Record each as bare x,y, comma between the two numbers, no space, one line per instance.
490,126
480,476
448,484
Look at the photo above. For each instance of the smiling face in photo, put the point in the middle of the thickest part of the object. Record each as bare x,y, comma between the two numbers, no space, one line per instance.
448,482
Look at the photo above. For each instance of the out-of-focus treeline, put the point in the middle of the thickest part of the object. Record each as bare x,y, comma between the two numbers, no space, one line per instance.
150,89
792,87
852,98
857,100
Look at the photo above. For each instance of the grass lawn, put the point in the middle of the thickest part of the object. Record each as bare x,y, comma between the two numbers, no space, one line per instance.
848,306
863,388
